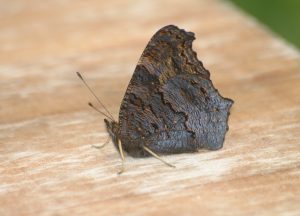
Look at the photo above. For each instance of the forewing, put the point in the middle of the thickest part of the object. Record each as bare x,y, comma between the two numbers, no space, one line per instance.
150,112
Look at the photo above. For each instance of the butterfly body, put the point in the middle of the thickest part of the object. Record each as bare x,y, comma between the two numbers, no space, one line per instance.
170,105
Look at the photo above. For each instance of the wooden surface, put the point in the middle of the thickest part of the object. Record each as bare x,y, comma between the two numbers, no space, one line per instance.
47,165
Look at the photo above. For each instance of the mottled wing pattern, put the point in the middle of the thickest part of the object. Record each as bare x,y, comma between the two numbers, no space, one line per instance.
170,104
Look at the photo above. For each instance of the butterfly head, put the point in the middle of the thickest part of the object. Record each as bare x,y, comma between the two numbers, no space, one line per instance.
112,128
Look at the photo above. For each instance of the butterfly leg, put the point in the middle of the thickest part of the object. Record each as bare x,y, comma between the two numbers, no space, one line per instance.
122,156
104,144
157,157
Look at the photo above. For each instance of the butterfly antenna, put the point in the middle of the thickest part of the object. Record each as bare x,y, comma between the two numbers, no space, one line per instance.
157,157
99,101
99,111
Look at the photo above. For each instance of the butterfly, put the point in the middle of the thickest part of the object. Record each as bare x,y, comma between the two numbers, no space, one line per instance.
170,105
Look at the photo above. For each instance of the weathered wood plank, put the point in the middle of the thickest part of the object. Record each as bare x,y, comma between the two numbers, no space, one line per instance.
47,165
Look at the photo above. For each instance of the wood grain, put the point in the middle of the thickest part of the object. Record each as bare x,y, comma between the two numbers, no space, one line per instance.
47,165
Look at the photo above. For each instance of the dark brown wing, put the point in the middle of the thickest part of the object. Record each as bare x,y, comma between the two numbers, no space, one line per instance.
170,104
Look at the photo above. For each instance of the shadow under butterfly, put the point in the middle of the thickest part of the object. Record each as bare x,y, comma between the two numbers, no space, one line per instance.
170,105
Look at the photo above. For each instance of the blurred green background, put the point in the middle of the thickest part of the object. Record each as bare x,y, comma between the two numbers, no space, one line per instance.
281,16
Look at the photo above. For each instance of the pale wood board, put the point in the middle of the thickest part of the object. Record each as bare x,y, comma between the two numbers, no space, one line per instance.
47,165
